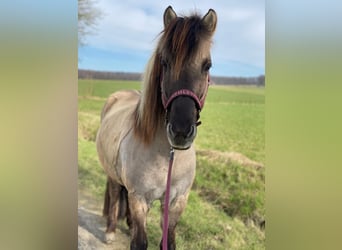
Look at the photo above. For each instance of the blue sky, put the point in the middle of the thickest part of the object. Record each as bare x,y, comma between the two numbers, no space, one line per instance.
127,35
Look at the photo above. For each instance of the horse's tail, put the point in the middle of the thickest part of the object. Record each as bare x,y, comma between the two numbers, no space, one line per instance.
106,204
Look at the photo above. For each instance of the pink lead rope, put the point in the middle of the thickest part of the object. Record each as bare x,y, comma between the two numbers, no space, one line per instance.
166,200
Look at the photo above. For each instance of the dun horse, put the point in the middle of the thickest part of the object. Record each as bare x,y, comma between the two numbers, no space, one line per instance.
137,129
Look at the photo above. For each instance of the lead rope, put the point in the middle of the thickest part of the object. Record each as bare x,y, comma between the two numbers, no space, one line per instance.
166,201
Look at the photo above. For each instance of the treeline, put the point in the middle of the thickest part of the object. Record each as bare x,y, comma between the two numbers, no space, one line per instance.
258,80
106,75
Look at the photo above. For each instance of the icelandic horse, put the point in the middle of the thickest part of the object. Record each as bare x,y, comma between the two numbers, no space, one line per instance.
138,128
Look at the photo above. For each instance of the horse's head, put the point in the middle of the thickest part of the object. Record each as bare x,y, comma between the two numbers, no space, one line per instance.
184,51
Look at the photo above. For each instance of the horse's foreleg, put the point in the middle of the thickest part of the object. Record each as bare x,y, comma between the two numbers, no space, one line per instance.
175,210
111,208
138,213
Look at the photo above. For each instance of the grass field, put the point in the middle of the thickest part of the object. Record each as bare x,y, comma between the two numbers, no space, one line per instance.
227,201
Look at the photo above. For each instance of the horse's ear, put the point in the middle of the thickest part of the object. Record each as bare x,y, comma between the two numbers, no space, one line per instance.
210,20
169,15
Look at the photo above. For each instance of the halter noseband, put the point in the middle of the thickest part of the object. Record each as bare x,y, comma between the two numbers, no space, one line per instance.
185,92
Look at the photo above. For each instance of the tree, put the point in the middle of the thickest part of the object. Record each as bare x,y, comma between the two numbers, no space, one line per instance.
261,80
88,16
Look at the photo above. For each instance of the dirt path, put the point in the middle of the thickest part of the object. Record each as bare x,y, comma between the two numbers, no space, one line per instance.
91,226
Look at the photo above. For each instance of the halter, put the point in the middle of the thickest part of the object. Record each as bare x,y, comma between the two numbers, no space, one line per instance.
186,92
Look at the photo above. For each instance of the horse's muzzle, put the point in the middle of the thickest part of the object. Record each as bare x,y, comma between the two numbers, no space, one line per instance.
181,139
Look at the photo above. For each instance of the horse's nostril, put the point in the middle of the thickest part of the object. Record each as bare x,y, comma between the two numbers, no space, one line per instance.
169,128
186,133
191,131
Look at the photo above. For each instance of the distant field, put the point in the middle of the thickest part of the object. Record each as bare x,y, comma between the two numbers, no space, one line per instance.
227,200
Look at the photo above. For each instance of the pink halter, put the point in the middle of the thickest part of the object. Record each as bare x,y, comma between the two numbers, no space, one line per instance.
186,92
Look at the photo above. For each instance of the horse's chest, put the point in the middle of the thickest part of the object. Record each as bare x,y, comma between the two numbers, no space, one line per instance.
145,171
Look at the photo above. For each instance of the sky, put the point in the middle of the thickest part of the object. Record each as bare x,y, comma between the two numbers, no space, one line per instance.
127,34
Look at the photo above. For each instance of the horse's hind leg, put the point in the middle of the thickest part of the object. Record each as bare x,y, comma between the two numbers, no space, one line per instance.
138,213
111,208
175,210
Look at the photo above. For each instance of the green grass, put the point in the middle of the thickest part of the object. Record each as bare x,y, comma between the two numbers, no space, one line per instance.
233,120
103,88
235,189
235,127
227,199
233,94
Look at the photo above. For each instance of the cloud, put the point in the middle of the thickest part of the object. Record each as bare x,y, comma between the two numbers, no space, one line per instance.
134,26
125,27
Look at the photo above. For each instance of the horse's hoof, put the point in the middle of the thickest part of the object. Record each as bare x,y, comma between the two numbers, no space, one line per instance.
109,237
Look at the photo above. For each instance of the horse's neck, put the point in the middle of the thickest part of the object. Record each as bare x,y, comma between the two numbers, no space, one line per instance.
161,137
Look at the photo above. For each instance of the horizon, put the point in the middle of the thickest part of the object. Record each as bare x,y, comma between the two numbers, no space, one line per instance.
133,72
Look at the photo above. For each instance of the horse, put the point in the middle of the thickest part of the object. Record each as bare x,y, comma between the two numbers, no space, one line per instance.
138,128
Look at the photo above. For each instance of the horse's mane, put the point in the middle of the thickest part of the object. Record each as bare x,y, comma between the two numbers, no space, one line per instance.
149,111
180,40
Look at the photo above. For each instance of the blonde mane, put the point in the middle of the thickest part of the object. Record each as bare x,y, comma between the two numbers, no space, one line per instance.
149,113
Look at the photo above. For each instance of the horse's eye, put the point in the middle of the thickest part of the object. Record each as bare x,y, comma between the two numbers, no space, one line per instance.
206,66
